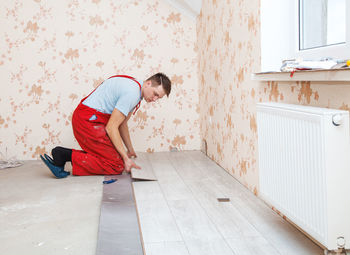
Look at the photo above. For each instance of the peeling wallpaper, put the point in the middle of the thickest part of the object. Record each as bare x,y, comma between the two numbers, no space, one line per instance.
228,45
53,53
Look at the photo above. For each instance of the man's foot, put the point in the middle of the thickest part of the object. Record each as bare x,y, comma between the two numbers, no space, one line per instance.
48,158
57,171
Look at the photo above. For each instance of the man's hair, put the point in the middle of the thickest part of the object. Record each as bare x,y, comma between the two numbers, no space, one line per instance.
161,79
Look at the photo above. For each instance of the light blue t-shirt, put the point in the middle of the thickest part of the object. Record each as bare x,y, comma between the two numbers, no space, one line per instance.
118,92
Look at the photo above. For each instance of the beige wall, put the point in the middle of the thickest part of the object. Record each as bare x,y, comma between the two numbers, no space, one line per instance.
55,52
229,51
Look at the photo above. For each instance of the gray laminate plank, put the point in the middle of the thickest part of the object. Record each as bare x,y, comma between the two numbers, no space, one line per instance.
161,166
166,248
209,247
206,189
156,221
252,246
199,233
175,189
287,239
172,185
146,171
192,221
185,166
147,190
228,184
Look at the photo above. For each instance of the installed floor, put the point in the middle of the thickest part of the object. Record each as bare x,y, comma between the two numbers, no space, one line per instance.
179,213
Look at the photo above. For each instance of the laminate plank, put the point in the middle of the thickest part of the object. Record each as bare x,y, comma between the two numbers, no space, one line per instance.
252,246
147,190
227,183
206,189
209,247
146,171
287,239
175,189
194,177
199,233
156,221
161,166
185,166
172,185
168,248
227,219
192,221
209,167
255,210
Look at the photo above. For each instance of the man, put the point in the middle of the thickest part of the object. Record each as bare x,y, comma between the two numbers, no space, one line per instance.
100,127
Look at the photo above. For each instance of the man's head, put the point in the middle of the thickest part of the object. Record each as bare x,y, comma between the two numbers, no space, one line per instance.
156,87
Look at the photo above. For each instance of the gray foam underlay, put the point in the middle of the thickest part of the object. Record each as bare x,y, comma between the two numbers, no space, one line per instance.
119,229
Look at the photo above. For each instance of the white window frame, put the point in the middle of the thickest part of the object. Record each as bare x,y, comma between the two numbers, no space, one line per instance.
280,36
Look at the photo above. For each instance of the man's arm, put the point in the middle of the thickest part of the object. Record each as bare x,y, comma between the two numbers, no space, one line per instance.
112,129
124,132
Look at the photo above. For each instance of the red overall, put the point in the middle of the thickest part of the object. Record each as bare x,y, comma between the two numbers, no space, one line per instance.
99,156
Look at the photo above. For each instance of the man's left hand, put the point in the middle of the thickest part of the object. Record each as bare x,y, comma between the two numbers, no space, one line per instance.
129,164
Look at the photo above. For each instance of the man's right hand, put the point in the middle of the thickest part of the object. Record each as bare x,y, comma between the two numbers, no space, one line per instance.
129,164
131,154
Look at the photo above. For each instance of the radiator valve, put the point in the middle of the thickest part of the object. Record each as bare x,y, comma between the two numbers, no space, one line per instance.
337,119
341,242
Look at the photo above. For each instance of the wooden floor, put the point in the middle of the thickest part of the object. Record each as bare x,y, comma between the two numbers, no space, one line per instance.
180,214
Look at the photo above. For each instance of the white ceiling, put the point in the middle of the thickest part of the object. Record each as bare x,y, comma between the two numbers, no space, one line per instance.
190,8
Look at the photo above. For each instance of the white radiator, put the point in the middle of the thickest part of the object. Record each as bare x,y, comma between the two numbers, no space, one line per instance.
304,169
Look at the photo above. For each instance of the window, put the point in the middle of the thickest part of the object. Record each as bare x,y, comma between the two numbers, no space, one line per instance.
309,29
321,23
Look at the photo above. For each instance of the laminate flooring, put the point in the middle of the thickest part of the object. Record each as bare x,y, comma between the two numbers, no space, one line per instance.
146,172
180,214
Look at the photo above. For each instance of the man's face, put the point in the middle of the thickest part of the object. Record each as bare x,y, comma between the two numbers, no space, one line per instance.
152,94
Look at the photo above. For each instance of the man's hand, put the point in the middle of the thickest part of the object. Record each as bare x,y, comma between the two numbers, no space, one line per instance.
129,164
132,154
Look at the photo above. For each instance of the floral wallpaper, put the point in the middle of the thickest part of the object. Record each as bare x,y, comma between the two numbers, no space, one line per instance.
228,45
53,53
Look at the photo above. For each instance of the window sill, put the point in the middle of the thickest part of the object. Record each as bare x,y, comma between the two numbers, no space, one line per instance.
309,75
